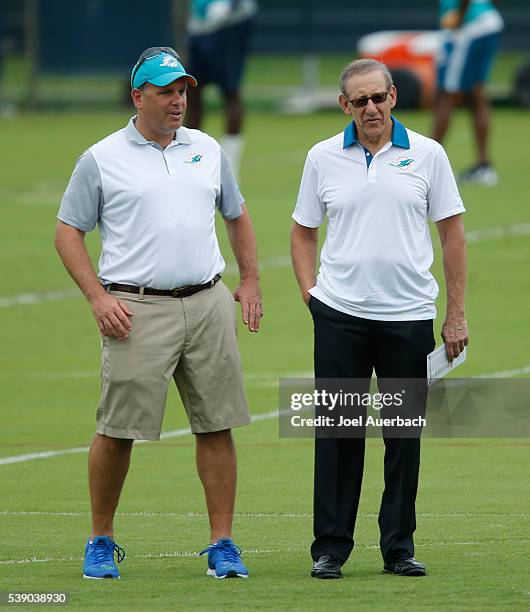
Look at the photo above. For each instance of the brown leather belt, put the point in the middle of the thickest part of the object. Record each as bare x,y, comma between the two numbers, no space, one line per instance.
178,292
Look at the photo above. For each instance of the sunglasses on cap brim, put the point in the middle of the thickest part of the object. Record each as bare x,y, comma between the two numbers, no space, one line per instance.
149,54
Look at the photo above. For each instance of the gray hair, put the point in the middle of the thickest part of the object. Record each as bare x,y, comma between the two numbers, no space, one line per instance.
364,66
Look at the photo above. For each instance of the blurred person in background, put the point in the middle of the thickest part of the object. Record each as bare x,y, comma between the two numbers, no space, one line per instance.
471,31
219,35
153,188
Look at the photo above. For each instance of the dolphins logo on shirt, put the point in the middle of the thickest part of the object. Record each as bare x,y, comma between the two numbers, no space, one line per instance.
193,158
404,164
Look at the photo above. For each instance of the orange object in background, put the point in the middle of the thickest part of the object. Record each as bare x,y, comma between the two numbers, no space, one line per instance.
411,57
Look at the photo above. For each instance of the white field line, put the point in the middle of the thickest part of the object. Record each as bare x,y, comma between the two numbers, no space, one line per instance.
256,378
282,261
74,293
36,298
255,515
177,433
259,551
262,379
496,233
507,373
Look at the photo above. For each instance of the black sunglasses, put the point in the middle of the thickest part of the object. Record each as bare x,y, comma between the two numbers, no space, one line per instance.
149,54
377,98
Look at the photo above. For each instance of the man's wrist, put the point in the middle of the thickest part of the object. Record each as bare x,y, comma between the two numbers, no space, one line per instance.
455,314
95,293
249,278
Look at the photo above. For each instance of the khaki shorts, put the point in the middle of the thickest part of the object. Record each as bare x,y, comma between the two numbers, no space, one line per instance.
191,339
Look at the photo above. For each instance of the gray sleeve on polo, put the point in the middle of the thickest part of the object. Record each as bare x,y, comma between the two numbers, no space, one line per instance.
83,199
230,199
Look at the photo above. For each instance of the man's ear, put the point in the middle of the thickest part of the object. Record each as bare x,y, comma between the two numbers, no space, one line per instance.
344,104
393,96
136,97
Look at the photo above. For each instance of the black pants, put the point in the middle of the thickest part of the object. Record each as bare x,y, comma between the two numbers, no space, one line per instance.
351,347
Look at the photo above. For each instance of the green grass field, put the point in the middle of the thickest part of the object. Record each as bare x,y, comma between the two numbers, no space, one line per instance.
473,505
268,78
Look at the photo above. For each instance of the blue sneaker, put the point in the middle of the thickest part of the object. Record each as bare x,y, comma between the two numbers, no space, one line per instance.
99,558
224,560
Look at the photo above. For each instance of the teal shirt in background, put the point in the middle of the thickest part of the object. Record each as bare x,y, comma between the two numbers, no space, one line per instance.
207,16
199,8
476,8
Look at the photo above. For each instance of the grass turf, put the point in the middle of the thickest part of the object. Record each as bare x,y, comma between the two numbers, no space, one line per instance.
473,528
268,79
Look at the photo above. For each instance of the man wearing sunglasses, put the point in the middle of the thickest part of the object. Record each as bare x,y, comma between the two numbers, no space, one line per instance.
378,183
153,188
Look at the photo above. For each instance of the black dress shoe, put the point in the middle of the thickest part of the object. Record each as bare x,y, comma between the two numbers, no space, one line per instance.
405,567
327,566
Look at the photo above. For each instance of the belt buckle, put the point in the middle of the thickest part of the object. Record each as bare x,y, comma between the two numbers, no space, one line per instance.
178,291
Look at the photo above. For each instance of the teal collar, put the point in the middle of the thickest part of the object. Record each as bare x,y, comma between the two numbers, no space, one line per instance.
399,136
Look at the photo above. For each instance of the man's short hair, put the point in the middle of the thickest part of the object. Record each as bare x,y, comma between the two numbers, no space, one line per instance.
364,66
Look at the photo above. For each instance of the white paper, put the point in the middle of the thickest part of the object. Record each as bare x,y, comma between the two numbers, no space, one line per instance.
438,365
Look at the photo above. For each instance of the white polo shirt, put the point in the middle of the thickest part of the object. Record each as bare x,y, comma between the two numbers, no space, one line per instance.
155,207
376,259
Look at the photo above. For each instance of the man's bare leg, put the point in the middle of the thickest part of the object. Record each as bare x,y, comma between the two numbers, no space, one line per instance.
216,465
233,112
194,110
481,121
443,108
108,463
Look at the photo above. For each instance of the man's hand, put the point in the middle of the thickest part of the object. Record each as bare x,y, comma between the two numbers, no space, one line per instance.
452,239
455,335
304,244
112,316
243,243
248,294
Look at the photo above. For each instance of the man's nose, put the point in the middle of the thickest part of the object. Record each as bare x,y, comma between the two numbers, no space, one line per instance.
177,98
371,106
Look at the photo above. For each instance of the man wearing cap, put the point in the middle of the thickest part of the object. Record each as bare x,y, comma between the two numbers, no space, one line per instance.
372,304
161,308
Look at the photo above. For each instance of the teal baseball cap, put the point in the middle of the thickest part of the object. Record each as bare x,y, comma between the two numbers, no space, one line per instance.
159,66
